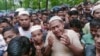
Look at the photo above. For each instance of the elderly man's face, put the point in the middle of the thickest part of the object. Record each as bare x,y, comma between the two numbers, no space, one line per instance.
97,14
97,39
57,27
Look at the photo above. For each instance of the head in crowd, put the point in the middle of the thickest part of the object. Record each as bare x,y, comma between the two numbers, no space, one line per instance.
15,18
9,33
97,37
83,20
56,25
16,14
4,23
37,34
94,26
87,7
75,25
46,25
65,8
55,9
34,16
39,14
96,12
36,22
19,46
73,14
9,19
44,16
24,19
60,13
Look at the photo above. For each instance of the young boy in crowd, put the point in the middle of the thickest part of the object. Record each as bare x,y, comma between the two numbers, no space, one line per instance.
37,39
8,34
19,46
93,50
88,39
3,23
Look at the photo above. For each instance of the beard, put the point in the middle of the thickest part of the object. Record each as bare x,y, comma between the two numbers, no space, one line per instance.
26,28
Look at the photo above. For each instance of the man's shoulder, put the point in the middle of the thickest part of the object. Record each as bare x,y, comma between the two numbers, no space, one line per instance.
87,35
70,31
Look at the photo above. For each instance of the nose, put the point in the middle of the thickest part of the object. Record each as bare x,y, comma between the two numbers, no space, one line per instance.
8,40
24,21
56,29
98,41
93,33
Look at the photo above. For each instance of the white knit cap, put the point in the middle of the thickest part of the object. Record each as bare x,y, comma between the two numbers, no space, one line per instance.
23,12
95,8
35,27
72,9
19,9
54,18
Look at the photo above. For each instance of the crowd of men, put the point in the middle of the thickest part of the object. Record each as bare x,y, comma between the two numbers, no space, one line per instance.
64,31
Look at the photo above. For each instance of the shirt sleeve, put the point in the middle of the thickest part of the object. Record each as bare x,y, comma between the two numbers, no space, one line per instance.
74,39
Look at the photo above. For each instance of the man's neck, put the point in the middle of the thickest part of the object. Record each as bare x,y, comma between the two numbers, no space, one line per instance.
26,29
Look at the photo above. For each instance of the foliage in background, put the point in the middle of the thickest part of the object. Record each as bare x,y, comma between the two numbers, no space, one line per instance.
34,4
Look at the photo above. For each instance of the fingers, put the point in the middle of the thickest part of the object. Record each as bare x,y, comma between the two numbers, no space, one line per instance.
50,41
65,40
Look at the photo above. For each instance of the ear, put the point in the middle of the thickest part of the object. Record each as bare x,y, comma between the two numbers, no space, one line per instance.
63,24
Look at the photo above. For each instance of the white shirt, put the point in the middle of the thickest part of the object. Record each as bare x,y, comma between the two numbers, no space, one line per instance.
25,33
3,45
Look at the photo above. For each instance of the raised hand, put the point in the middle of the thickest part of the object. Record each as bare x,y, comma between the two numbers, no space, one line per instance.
37,46
50,41
65,40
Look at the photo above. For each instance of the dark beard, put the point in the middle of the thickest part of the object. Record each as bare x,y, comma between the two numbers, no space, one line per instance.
26,28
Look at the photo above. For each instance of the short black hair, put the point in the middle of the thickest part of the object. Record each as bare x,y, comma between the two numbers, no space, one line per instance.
74,12
87,3
60,10
45,14
18,46
36,20
75,23
16,14
4,20
95,23
15,30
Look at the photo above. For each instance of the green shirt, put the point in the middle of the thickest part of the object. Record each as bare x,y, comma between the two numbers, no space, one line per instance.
87,39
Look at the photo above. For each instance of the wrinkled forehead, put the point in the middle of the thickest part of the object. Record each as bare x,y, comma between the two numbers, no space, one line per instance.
55,22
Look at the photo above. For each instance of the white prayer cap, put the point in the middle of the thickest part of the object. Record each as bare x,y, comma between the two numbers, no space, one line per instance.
35,27
73,9
54,18
23,12
19,9
95,8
